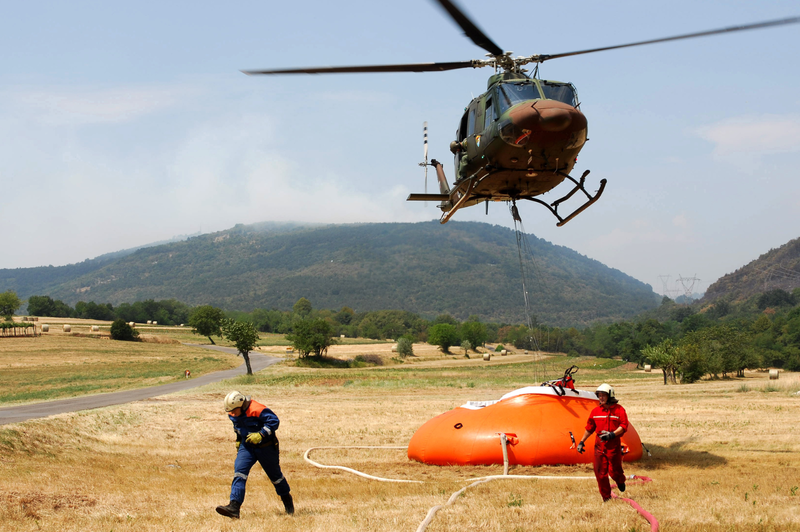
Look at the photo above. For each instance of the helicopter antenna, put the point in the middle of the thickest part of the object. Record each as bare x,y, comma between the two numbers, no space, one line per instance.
424,163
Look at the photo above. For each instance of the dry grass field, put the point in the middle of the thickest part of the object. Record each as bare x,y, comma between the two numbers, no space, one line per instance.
725,456
59,365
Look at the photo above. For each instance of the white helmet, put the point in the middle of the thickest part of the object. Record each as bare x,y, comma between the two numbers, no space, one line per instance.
607,389
235,400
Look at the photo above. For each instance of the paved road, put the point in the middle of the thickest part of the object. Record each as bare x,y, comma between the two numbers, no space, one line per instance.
15,414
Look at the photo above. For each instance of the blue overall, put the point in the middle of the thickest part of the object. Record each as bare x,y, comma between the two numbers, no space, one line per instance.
257,418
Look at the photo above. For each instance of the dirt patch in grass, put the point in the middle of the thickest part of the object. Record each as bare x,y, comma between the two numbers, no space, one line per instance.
153,339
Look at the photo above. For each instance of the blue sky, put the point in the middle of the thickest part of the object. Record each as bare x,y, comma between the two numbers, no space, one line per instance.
122,125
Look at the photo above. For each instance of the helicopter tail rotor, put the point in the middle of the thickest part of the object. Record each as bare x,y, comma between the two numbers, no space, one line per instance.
444,189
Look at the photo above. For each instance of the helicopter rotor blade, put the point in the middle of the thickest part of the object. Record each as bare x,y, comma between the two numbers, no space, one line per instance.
410,67
470,29
757,25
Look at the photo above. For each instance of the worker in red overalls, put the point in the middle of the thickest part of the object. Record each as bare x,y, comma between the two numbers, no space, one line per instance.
610,421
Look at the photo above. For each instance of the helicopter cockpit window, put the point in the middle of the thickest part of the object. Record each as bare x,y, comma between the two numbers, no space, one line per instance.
489,114
513,93
472,119
563,92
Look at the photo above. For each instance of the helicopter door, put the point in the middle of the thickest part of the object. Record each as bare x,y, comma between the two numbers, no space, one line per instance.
474,126
461,134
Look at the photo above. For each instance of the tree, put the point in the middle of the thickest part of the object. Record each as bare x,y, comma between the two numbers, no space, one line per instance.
723,349
40,305
244,336
474,332
444,335
207,321
94,311
45,306
9,303
120,330
404,347
664,356
302,308
344,316
311,336
775,298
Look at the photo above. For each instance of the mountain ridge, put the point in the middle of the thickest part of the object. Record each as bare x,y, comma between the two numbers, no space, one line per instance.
777,268
462,268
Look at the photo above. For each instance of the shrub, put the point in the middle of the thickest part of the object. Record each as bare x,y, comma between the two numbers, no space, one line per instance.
120,330
405,348
499,348
466,345
372,360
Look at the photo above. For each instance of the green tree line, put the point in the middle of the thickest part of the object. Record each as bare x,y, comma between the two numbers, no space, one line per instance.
686,342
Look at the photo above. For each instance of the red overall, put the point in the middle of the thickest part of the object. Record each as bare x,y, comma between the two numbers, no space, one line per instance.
607,454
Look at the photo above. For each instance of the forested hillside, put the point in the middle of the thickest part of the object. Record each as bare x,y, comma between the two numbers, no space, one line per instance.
461,268
777,269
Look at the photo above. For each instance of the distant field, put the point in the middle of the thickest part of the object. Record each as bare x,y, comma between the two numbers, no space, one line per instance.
61,365
725,456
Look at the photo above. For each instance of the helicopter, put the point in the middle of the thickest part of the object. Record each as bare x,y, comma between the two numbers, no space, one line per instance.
519,139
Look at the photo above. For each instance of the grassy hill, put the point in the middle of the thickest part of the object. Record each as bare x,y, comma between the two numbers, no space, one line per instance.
778,268
462,268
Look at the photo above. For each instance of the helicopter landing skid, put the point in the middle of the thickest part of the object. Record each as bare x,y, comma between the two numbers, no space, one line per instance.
553,207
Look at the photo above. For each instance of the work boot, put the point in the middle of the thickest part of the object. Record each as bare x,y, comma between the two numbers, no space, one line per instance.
288,503
230,510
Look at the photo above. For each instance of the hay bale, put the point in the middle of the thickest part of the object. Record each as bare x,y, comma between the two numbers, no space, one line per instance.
149,322
132,324
66,328
487,357
95,328
648,368
394,348
504,352
773,374
45,328
155,323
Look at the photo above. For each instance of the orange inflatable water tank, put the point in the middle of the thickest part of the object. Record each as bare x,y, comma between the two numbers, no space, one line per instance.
537,420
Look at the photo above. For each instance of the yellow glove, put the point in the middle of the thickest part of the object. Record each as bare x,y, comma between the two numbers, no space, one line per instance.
254,438
238,443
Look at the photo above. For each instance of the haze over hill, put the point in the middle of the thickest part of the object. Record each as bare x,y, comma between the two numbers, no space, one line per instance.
462,268
777,268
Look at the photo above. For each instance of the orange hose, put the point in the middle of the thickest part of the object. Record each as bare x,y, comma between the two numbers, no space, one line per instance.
647,515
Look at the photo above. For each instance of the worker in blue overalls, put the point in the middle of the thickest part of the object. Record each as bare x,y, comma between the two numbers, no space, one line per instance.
255,427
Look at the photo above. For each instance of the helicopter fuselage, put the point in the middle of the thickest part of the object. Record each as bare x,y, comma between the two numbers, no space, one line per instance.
517,140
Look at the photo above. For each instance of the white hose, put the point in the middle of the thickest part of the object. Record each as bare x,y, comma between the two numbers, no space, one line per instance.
359,473
432,512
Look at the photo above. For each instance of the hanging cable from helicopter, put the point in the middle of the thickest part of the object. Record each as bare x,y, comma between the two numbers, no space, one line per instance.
526,257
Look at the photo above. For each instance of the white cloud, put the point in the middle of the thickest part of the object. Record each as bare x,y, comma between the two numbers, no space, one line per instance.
681,221
748,136
640,234
75,106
